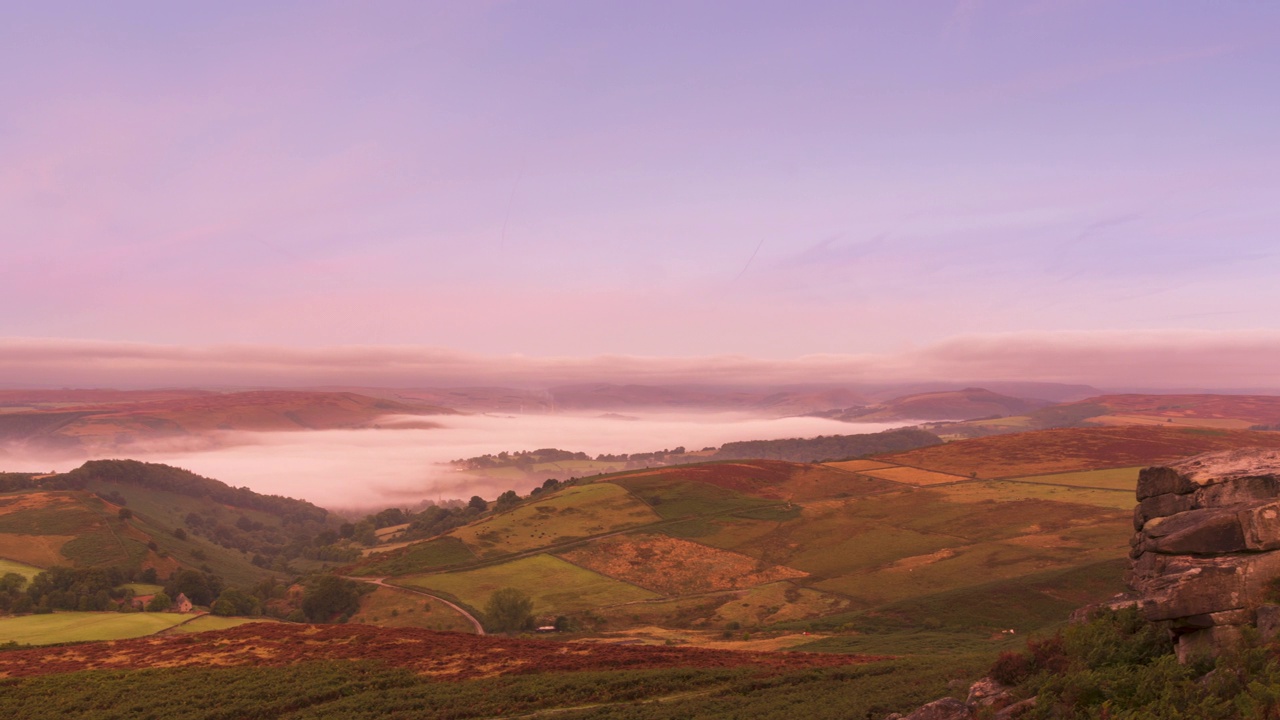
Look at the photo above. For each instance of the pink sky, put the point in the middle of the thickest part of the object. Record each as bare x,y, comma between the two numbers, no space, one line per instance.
414,192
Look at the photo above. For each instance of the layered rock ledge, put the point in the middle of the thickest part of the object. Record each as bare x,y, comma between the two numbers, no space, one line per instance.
1206,546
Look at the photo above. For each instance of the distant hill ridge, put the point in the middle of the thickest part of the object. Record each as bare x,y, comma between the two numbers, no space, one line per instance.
104,419
156,476
967,404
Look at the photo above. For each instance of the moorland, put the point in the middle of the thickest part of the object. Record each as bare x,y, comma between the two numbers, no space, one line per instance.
866,579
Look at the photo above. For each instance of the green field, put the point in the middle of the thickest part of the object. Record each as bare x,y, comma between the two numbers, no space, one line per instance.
26,571
216,622
62,627
672,497
573,513
1008,491
143,588
556,586
421,557
1112,479
891,546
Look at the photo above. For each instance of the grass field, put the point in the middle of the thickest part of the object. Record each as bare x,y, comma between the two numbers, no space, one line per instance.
143,588
913,476
64,627
1227,423
388,533
1074,449
216,622
556,586
37,550
389,607
575,512
1013,490
858,465
26,571
776,603
1021,422
420,557
860,545
1111,479
672,566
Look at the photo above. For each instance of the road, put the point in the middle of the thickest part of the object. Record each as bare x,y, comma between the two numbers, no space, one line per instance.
379,581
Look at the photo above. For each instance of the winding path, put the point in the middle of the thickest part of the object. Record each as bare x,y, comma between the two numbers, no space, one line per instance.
379,581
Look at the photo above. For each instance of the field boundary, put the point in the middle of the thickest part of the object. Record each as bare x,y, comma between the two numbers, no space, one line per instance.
381,582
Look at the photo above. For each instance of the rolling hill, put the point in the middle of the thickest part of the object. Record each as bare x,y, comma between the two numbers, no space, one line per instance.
966,404
103,419
133,515
1224,411
773,547
1071,449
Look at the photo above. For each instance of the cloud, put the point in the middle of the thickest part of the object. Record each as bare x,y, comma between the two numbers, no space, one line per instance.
403,466
1113,359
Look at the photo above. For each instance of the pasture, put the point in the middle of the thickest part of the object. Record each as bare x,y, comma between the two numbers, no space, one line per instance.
27,571
671,566
420,557
912,476
556,586
63,627
1027,489
1226,423
573,513
1125,479
858,465
391,607
143,588
203,623
37,550
1075,449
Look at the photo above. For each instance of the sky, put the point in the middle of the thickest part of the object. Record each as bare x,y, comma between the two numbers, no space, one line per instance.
858,186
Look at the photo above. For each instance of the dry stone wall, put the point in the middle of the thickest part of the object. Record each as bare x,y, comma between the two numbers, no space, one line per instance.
1206,546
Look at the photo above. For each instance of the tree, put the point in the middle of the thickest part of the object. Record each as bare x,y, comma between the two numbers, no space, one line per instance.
200,588
236,602
507,499
509,610
159,603
125,513
331,595
477,503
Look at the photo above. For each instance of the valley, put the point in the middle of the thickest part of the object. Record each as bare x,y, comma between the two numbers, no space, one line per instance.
929,557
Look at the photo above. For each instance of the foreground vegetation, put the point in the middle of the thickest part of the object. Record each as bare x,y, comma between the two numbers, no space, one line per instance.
363,689
1119,666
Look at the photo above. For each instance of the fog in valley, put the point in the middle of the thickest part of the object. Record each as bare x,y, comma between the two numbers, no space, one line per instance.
402,463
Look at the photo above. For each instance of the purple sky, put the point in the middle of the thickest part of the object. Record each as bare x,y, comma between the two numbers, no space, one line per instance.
662,179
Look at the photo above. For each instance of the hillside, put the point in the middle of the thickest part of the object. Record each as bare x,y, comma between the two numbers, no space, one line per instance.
103,421
694,552
1072,449
123,513
965,404
828,447
1224,411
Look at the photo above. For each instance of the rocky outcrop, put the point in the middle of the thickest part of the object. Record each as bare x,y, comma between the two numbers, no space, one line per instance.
987,699
1206,546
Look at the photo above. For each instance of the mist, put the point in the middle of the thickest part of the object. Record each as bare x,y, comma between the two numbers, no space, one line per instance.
395,466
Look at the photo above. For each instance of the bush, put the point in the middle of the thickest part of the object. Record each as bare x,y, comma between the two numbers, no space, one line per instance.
509,610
